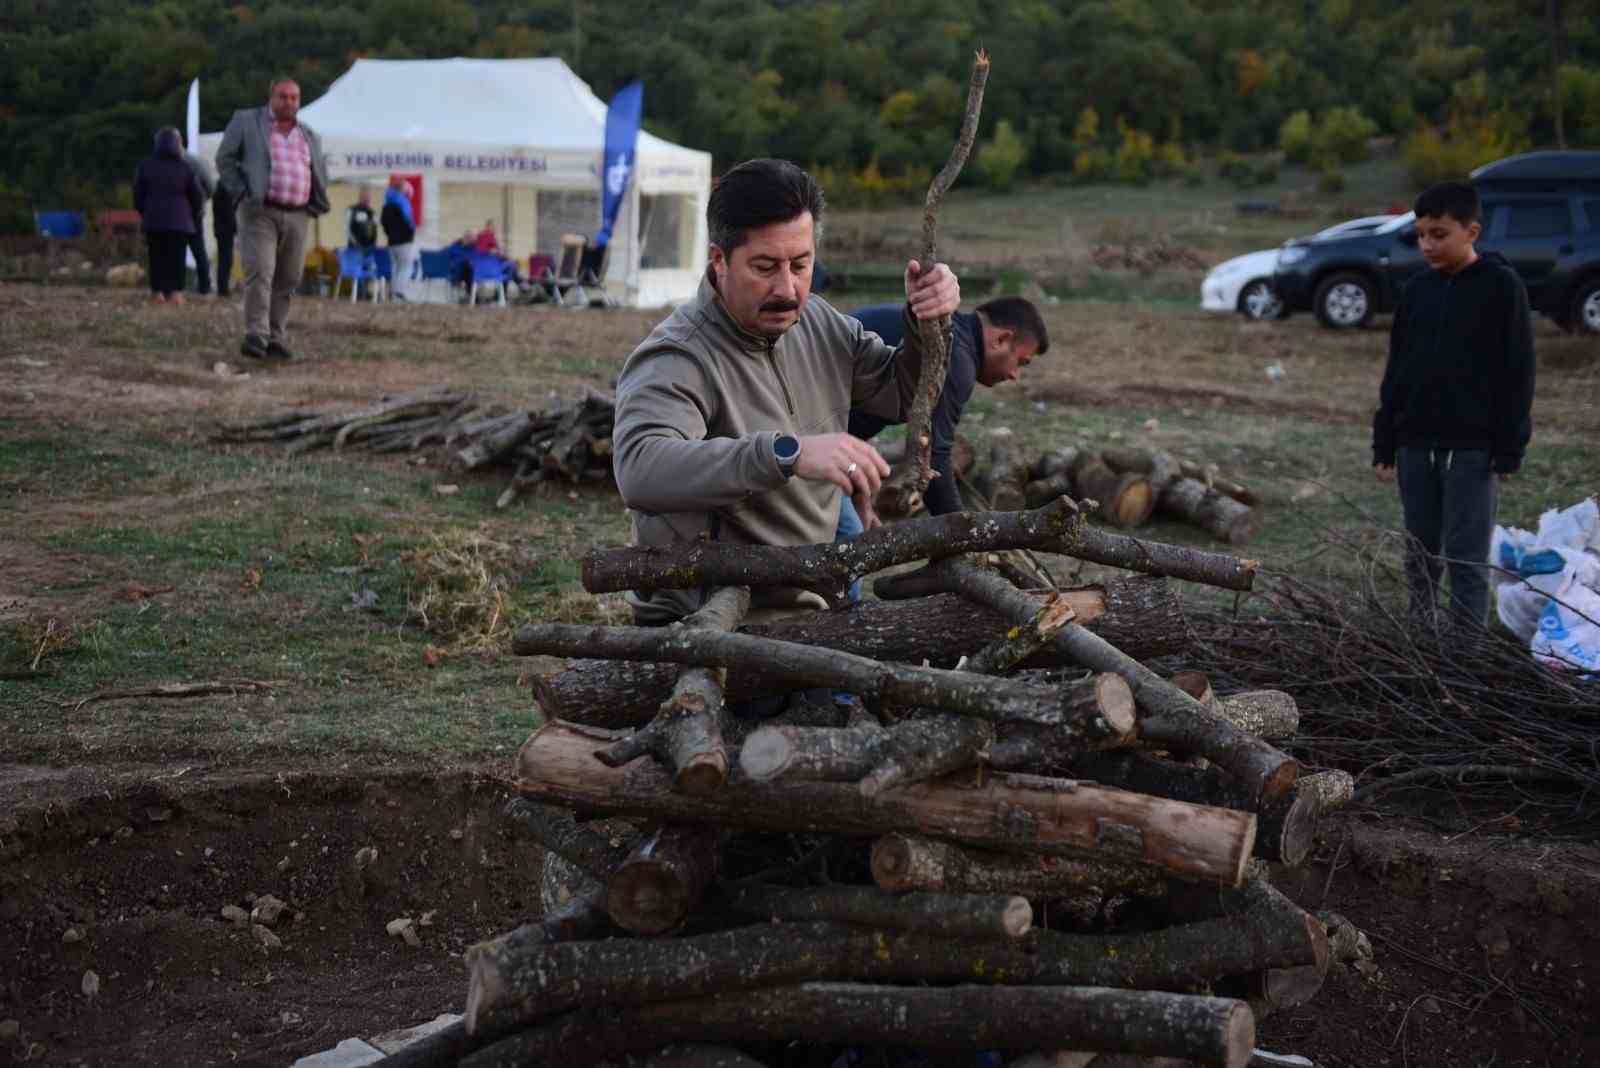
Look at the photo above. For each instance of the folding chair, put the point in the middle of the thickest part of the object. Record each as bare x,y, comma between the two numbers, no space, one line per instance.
592,277
358,266
564,281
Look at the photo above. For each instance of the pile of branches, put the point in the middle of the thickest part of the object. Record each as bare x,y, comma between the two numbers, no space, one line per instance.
1000,854
565,442
1407,702
1128,484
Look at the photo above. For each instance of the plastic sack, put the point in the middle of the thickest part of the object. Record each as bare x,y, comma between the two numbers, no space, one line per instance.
1569,630
1560,560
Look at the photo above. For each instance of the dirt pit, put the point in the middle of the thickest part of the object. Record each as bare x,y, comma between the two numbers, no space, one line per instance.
1486,948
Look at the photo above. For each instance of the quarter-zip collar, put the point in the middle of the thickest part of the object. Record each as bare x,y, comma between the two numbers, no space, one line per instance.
710,299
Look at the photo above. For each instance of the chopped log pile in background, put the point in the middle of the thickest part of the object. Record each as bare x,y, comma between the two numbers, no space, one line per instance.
1129,484
982,851
566,442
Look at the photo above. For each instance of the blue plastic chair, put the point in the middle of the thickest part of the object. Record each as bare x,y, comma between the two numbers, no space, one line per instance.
59,223
489,270
358,266
383,264
434,266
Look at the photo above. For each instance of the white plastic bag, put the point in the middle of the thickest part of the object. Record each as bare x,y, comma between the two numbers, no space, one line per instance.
1569,630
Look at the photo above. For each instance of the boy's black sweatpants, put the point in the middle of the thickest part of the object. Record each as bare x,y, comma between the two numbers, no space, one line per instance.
1448,497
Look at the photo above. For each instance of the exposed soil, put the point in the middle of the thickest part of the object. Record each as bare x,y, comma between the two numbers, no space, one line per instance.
1486,951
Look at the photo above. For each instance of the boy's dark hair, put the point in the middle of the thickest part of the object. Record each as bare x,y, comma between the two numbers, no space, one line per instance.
1020,315
1459,200
757,193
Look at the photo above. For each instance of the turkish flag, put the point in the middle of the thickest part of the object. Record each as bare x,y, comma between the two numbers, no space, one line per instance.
414,194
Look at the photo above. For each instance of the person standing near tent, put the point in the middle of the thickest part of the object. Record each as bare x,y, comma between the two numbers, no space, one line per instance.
271,164
400,229
731,415
224,227
197,240
361,222
167,197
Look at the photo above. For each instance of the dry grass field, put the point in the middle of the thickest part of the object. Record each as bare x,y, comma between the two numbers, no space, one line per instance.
139,552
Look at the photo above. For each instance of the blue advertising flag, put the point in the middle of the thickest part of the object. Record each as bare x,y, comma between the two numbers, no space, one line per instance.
622,135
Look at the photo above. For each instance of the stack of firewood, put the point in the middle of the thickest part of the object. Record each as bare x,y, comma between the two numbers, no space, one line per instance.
980,851
565,442
1129,485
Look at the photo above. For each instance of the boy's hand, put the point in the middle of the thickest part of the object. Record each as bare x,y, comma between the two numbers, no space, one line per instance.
1385,472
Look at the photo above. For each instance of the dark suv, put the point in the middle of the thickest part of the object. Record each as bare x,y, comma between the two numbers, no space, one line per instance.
1540,210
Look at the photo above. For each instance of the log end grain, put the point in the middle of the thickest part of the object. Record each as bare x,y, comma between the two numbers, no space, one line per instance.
1016,919
646,900
1132,503
1239,1036
1116,703
703,775
893,859
765,755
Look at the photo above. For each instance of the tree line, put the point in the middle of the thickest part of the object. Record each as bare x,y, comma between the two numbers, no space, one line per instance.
871,90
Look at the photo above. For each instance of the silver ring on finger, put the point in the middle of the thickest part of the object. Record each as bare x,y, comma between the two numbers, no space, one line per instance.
851,470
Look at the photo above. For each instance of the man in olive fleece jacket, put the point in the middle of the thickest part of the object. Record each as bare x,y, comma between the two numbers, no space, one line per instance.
731,415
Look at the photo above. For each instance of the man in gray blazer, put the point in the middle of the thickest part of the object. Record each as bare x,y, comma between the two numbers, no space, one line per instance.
271,165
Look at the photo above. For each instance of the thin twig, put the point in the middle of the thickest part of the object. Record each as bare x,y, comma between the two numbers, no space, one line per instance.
174,690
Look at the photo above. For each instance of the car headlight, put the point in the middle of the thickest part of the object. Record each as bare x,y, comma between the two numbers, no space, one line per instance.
1291,256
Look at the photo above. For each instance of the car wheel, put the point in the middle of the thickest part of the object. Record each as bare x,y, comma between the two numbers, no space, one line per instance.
1345,301
1259,300
1585,316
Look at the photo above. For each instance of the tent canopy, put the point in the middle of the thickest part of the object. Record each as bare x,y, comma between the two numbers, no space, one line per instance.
522,124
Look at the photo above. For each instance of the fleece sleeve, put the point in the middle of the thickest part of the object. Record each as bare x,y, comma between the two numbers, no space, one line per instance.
664,461
1383,421
1513,424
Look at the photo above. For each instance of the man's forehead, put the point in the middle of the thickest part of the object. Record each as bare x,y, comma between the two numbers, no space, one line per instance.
785,240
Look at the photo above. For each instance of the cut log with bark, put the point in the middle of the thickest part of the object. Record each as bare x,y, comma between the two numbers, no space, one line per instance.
1163,467
803,665
1126,500
934,334
830,568
1168,717
874,756
558,830
1021,813
686,733
1264,713
1206,1029
1008,473
1139,614
904,862
664,878
519,977
1327,790
1219,515
1287,829
970,916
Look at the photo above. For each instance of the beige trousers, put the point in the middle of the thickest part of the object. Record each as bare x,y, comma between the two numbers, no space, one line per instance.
272,248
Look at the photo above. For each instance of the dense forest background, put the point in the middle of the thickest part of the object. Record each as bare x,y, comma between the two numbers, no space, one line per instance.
868,90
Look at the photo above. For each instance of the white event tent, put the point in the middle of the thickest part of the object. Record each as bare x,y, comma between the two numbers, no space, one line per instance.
517,142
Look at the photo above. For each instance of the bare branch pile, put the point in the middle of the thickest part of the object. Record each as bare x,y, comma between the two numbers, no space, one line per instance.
1402,702
968,854
566,442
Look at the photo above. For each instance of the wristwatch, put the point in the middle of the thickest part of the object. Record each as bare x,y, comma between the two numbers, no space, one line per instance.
786,449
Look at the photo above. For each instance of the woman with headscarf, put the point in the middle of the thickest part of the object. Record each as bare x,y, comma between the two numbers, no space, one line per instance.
168,198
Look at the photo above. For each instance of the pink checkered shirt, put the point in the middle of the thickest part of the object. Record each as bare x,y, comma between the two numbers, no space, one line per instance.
289,180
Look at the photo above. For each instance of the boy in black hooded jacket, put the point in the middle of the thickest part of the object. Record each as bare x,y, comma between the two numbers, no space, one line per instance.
1454,412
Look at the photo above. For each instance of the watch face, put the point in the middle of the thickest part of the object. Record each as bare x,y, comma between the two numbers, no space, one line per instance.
787,448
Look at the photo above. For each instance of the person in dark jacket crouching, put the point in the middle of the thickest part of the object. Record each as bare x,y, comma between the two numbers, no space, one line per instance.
1455,408
168,198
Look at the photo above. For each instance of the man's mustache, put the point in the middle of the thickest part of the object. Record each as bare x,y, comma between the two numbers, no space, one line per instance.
780,306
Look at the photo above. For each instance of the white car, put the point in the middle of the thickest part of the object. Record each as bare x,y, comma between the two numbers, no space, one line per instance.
1244,283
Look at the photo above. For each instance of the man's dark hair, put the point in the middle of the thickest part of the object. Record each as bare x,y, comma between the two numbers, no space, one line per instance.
1459,200
1019,315
757,193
